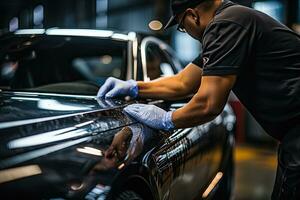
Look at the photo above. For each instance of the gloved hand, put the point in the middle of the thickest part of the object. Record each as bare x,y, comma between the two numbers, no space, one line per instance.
114,87
151,115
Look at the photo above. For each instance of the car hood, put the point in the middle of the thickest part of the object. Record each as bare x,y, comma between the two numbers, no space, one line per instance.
17,107
64,145
30,121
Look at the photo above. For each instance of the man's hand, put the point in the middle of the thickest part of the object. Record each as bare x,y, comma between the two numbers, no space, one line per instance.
151,115
114,87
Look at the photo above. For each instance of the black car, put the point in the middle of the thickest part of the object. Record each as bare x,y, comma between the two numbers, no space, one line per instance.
58,141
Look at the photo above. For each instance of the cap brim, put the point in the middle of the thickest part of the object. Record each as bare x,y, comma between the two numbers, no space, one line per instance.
172,21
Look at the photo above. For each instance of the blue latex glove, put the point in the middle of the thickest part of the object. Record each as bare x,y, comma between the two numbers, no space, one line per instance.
114,87
151,115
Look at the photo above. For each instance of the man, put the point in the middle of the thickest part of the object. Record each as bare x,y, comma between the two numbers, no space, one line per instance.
245,51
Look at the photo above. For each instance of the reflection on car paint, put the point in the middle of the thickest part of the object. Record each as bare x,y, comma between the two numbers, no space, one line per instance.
180,154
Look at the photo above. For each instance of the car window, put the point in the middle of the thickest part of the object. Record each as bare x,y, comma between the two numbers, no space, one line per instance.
99,66
49,62
157,62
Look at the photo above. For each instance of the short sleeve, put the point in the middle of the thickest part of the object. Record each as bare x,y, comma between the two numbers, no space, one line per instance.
198,61
225,48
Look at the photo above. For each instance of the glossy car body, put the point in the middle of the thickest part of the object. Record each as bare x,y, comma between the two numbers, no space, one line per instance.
59,141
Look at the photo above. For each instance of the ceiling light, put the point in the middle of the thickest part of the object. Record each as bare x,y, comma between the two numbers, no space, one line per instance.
155,25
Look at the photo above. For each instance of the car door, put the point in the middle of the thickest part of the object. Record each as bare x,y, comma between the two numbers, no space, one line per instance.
182,162
157,60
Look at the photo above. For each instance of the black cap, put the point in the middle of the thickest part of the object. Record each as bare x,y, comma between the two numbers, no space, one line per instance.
179,6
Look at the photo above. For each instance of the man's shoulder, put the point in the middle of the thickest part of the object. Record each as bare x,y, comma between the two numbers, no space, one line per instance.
237,14
230,18
236,10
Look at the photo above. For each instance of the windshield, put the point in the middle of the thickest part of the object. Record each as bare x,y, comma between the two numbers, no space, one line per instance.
60,64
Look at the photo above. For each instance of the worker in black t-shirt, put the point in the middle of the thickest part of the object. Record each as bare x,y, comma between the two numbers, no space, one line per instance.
245,51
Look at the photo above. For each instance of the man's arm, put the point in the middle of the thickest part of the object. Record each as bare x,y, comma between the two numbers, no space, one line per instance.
175,87
207,103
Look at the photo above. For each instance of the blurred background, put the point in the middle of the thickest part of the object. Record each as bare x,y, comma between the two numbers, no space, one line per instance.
255,154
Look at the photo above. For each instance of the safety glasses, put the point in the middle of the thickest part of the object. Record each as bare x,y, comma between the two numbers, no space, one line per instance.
180,26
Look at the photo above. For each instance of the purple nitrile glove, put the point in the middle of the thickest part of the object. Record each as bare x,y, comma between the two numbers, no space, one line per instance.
151,115
115,87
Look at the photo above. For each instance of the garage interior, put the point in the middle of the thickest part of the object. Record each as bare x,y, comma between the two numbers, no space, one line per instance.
255,152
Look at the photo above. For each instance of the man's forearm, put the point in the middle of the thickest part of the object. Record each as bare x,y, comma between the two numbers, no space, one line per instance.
206,104
179,86
167,88
192,114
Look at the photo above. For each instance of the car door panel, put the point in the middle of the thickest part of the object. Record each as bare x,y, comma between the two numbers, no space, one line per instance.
189,158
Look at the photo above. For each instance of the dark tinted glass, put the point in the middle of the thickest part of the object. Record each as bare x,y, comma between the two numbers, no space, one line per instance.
60,64
158,63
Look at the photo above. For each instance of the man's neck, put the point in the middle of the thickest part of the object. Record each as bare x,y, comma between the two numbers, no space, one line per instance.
208,14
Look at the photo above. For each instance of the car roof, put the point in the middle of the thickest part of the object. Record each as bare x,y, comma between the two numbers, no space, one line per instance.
96,33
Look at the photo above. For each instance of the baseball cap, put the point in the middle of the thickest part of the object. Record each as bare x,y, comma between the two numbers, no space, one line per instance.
179,6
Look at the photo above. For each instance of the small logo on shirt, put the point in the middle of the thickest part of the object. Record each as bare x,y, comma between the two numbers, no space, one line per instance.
205,61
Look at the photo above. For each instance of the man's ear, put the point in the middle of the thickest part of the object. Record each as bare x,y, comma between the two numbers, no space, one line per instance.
194,14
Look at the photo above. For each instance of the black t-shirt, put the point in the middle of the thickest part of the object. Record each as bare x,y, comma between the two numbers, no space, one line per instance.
265,56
